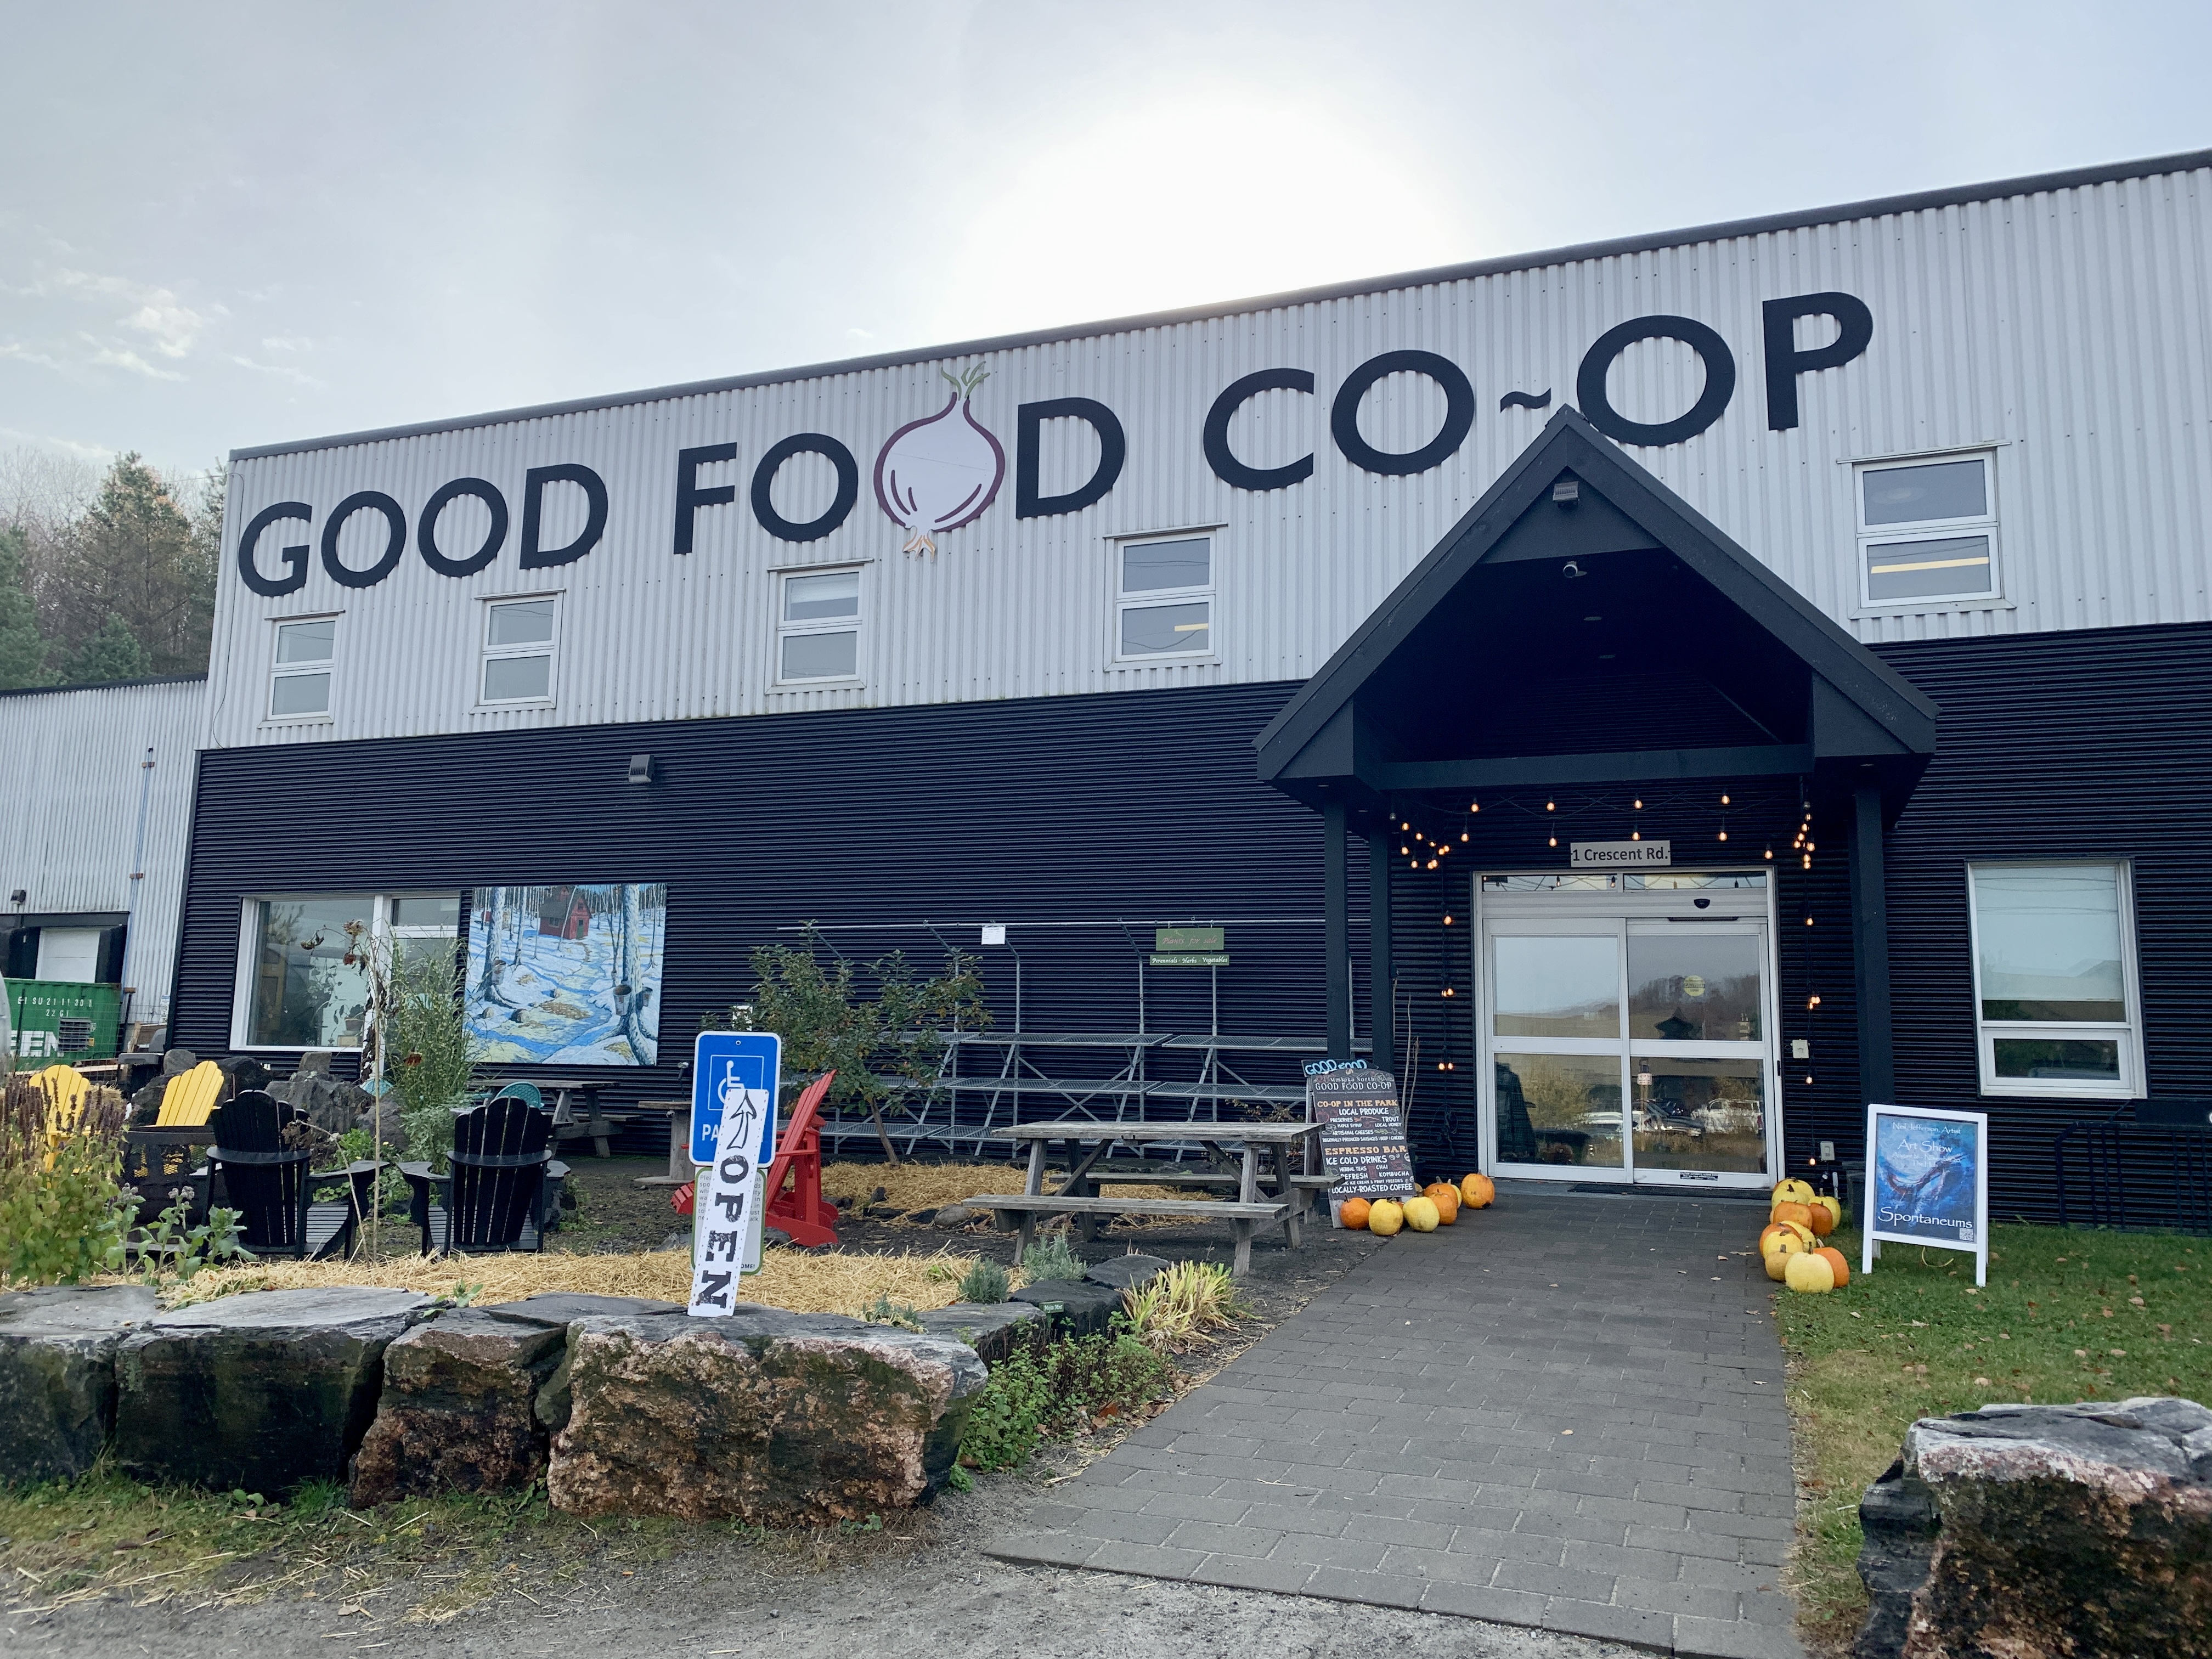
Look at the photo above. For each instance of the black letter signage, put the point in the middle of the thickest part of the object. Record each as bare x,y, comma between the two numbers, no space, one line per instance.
426,529
372,500
1226,467
1712,351
1113,450
1459,413
535,558
294,558
801,443
1784,363
690,498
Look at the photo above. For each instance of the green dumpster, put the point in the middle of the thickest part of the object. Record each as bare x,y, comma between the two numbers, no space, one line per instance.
56,1022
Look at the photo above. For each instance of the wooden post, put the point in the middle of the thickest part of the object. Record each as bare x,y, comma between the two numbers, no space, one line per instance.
1336,933
1870,945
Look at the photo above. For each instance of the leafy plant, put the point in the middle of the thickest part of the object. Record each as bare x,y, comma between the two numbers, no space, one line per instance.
168,1249
1181,1304
1051,1258
986,1281
1059,1392
1004,1423
885,1311
880,1045
63,1216
430,1057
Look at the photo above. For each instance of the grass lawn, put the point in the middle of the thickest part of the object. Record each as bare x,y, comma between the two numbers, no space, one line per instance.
2068,1315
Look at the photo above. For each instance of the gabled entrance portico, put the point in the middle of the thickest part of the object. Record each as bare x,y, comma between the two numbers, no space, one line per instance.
1584,658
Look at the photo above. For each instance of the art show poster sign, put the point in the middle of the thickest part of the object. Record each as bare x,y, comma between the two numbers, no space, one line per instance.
1927,1183
1363,1134
733,1085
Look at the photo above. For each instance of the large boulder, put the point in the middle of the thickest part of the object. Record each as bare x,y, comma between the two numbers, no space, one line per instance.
1078,1306
456,1413
1127,1273
766,1416
2031,1530
330,1104
58,1375
994,1330
262,1391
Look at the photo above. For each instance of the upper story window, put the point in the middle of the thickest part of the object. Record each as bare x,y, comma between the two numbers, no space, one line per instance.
519,641
1165,598
2055,980
299,678
818,626
1928,532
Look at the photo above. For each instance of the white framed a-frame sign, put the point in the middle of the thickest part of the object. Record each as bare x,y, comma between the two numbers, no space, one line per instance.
1927,1183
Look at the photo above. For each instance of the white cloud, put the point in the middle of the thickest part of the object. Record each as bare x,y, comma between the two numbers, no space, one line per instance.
157,312
67,446
107,356
287,343
22,353
283,371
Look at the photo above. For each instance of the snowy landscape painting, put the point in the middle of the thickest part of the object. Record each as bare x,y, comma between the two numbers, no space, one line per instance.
567,975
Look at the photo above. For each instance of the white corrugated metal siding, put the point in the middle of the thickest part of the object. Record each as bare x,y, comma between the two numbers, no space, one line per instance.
69,817
2066,327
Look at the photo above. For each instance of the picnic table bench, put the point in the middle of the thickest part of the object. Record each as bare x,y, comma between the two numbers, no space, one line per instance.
1079,1197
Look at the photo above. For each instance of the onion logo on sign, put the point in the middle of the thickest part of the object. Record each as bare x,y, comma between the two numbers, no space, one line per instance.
939,473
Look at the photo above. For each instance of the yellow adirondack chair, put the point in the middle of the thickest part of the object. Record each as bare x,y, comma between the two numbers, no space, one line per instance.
66,1090
190,1096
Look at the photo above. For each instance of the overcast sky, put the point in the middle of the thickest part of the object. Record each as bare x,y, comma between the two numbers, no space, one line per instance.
225,225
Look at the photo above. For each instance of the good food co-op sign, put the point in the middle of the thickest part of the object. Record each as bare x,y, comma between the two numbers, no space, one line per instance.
944,470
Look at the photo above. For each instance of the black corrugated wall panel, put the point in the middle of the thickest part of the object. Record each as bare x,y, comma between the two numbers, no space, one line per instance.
1142,806
2075,745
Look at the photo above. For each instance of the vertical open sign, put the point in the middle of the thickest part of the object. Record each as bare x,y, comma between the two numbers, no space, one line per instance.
733,1090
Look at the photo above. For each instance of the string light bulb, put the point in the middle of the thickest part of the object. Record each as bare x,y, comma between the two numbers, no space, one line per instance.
1475,806
1551,806
1555,841
1724,800
1770,855
1639,805
1447,919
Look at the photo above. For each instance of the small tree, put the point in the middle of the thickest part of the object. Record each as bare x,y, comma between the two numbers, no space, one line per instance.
874,1044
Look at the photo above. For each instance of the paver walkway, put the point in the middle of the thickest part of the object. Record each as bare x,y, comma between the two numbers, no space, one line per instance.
1564,1412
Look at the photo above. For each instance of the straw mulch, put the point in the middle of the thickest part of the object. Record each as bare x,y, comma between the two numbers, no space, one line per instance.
932,1186
801,1281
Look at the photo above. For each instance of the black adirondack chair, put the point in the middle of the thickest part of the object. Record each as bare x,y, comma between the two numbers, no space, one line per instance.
273,1186
500,1186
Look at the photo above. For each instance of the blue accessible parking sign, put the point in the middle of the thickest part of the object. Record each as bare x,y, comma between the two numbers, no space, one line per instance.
724,1063
733,1098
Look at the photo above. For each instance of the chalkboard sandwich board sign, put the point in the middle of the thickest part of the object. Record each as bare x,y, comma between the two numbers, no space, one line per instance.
1363,1134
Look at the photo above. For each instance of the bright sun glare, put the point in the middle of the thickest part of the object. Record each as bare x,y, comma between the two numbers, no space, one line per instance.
1184,201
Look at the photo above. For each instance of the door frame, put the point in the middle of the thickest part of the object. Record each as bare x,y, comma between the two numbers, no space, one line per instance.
1618,904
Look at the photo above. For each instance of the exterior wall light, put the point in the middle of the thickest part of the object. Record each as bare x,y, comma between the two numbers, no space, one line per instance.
641,768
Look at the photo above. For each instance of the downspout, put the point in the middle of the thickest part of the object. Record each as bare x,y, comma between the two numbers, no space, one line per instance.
137,882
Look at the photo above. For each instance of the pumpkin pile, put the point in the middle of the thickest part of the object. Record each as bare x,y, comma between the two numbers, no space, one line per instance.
1792,1243
1437,1205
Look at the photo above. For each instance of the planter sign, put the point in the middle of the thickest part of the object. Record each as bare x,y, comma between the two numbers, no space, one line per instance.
1189,947
1927,1183
1363,1136
734,1087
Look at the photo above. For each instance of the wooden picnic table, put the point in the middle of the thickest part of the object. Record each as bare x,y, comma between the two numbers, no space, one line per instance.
564,1120
1088,1141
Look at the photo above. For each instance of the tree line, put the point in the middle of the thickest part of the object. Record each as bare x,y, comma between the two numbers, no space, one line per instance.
105,576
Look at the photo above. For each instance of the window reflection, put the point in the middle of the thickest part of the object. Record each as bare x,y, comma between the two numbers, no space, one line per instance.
1690,986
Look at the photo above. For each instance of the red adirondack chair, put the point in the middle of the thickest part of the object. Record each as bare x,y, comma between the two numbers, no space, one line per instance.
803,1212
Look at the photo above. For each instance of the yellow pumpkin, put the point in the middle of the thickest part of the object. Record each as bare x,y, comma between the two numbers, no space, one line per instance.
1786,1249
1772,1230
1792,1191
1837,1265
1478,1191
1353,1215
1445,1197
1808,1274
1385,1218
1422,1214
1800,1213
1803,1234
1834,1207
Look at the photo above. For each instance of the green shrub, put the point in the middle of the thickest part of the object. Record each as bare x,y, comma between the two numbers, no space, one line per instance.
986,1281
1058,1392
1051,1258
885,1311
64,1221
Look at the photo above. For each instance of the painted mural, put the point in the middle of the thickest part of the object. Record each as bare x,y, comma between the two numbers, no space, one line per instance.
567,975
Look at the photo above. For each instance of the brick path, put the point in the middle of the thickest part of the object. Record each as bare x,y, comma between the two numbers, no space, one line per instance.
1564,1412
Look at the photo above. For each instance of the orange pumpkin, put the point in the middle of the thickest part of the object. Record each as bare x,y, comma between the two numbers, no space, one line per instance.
1823,1220
1353,1215
1837,1265
1445,1196
1477,1192
1800,1213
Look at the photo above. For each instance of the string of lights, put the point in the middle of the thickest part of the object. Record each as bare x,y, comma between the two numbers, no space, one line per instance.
1427,832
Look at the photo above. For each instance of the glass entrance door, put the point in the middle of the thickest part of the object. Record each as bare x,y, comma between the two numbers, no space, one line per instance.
1627,1028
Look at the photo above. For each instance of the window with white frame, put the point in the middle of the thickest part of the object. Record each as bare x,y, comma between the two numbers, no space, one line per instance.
2055,979
818,626
1164,604
305,959
520,637
300,677
1927,530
